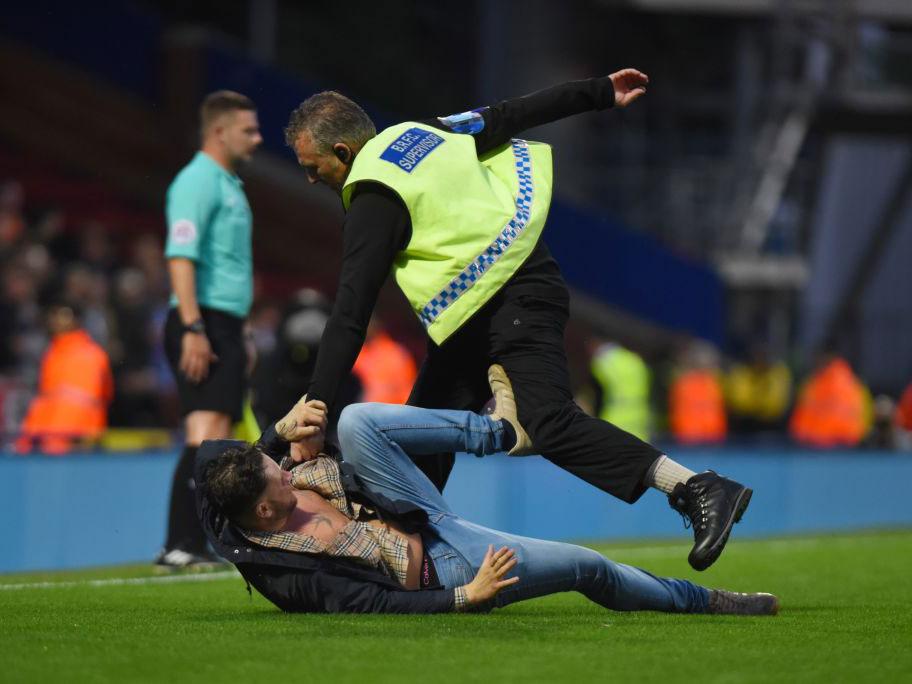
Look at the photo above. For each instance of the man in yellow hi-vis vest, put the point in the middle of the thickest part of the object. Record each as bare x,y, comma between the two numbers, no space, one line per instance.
622,380
454,207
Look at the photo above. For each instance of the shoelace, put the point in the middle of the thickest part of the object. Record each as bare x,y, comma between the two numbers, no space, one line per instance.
697,511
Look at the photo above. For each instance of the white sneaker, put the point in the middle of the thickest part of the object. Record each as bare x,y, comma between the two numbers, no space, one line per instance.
178,558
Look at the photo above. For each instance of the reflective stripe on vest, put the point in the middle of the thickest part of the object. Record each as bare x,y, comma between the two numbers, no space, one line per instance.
515,226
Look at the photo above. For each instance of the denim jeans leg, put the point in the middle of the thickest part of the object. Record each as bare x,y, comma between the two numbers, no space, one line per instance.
547,567
377,440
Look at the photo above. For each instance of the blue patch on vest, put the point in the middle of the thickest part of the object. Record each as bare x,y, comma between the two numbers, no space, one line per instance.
410,148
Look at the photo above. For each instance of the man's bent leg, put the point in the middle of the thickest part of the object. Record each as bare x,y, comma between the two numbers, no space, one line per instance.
452,377
596,451
379,439
527,339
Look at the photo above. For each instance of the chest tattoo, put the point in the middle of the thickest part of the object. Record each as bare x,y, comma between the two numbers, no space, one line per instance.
319,520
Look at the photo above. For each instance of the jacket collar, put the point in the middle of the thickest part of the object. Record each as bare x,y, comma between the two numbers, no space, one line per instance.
229,543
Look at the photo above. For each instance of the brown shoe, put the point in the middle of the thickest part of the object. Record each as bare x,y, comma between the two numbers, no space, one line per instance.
734,603
505,409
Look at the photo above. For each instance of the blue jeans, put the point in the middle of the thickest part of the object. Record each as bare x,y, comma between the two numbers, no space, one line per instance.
377,440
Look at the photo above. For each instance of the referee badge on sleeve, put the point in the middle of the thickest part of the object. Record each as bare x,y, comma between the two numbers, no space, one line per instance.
183,232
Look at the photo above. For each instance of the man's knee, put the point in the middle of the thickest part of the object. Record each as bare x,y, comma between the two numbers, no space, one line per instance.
354,421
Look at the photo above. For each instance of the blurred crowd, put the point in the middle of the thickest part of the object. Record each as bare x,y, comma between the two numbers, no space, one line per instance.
701,400
82,310
116,292
81,317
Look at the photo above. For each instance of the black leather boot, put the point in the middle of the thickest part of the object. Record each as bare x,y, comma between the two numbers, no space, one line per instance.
710,504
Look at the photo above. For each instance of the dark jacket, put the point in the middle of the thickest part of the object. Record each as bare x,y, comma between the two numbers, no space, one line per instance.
299,582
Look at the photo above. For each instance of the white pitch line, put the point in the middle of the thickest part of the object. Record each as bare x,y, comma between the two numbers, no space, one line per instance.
647,551
122,581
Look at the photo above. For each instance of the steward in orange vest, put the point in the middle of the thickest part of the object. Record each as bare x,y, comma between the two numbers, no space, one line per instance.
74,389
385,368
697,408
904,410
830,410
696,402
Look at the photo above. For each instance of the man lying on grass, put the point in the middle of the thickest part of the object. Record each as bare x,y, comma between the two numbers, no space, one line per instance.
372,534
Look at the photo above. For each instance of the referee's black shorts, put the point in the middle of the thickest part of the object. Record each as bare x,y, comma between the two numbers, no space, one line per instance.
224,387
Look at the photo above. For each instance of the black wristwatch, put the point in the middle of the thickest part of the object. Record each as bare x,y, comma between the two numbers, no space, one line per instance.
196,326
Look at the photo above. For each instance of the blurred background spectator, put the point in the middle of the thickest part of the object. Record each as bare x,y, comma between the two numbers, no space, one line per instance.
12,222
621,383
385,368
758,393
136,398
74,389
884,432
904,410
833,408
696,404
903,420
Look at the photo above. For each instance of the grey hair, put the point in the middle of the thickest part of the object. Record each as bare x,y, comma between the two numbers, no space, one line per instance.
330,117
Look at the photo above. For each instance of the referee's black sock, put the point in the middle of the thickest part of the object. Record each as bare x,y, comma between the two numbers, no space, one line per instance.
184,531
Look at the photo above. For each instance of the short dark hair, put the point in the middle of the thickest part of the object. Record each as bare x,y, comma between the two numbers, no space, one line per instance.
330,117
221,102
236,479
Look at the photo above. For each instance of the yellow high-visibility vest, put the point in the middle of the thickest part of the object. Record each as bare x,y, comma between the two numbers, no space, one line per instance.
475,220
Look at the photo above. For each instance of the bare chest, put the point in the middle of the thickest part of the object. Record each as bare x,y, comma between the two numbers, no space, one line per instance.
315,517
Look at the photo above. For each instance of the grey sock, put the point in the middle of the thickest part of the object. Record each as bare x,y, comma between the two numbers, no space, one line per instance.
664,474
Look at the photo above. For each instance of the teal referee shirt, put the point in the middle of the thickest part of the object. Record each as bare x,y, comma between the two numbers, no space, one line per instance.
209,222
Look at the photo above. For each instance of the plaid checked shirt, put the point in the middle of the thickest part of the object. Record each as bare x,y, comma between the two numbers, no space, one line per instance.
376,547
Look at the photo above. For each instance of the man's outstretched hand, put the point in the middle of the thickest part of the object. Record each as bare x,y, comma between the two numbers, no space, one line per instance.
629,84
305,427
489,579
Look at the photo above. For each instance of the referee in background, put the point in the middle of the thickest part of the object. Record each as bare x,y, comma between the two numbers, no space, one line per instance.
210,263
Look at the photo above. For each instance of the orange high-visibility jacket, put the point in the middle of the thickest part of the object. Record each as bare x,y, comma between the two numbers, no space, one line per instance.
830,410
386,370
697,408
74,390
904,410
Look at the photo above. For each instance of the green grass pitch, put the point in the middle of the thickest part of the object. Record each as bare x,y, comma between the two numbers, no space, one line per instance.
846,616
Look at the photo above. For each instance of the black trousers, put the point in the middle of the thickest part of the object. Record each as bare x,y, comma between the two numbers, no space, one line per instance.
525,334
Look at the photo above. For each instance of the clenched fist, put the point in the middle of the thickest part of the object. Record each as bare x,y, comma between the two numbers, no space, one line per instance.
305,427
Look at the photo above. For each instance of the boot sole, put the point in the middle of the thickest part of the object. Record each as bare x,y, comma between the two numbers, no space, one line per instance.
741,504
